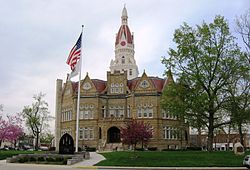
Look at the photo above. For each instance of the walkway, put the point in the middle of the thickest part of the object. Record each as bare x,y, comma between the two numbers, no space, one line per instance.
94,159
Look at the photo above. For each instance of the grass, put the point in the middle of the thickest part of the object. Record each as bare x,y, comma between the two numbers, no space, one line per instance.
172,159
10,153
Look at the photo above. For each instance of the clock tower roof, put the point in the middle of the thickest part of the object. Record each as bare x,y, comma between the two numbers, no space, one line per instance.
124,33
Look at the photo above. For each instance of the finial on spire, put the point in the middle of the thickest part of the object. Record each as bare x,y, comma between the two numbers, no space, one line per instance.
124,15
169,76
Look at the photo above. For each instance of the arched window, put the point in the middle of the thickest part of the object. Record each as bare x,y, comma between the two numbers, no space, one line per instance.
123,60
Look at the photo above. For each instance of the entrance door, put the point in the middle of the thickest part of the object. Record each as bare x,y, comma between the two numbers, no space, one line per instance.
114,135
66,144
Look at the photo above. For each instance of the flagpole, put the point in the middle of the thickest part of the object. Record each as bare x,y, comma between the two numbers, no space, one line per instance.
78,97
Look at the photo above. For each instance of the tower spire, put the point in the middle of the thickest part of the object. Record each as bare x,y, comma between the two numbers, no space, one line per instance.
124,16
124,50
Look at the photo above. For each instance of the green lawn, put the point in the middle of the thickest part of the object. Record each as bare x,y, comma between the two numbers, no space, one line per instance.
10,153
173,159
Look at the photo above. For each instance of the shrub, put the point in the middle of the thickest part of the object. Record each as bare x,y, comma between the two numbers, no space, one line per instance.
50,159
32,159
152,148
139,149
194,148
40,159
59,159
23,159
182,149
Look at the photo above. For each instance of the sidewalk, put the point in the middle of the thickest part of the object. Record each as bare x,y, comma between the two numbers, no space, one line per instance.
94,158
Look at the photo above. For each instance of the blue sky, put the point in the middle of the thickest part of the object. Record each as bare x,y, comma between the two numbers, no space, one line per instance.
36,37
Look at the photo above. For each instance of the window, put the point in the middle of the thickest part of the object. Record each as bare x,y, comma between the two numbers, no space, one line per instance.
170,133
150,113
123,60
116,111
128,111
116,88
104,111
139,113
87,112
145,111
86,133
130,72
167,115
81,133
66,115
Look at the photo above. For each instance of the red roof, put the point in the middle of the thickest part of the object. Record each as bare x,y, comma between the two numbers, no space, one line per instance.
157,82
124,29
132,83
100,85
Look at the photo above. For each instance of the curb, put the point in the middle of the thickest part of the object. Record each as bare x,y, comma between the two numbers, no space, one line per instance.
161,168
86,167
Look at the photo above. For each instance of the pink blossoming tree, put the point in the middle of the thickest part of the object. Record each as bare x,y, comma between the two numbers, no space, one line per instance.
10,129
136,132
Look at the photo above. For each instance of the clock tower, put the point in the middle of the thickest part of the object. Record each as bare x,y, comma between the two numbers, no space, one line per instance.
124,50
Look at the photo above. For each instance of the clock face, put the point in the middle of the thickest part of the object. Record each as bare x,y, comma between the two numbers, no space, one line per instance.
123,43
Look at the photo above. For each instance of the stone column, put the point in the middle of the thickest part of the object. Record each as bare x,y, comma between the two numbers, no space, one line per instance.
58,112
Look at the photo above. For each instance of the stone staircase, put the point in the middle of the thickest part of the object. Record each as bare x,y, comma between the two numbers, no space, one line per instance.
113,147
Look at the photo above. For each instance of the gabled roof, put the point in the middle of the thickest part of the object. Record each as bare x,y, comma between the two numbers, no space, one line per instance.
157,82
100,85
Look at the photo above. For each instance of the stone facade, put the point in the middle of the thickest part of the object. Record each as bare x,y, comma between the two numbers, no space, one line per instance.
105,106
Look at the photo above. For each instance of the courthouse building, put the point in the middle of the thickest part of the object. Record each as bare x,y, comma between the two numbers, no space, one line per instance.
106,105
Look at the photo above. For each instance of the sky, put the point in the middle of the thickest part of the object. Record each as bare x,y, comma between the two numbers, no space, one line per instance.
37,36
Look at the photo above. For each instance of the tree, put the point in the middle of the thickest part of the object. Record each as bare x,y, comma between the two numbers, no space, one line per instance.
37,116
206,62
10,129
135,132
239,103
174,100
243,28
47,138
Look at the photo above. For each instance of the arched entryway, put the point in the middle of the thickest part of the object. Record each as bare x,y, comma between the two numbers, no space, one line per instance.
66,144
114,135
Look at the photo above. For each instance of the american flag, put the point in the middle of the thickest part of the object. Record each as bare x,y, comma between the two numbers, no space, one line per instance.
75,53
